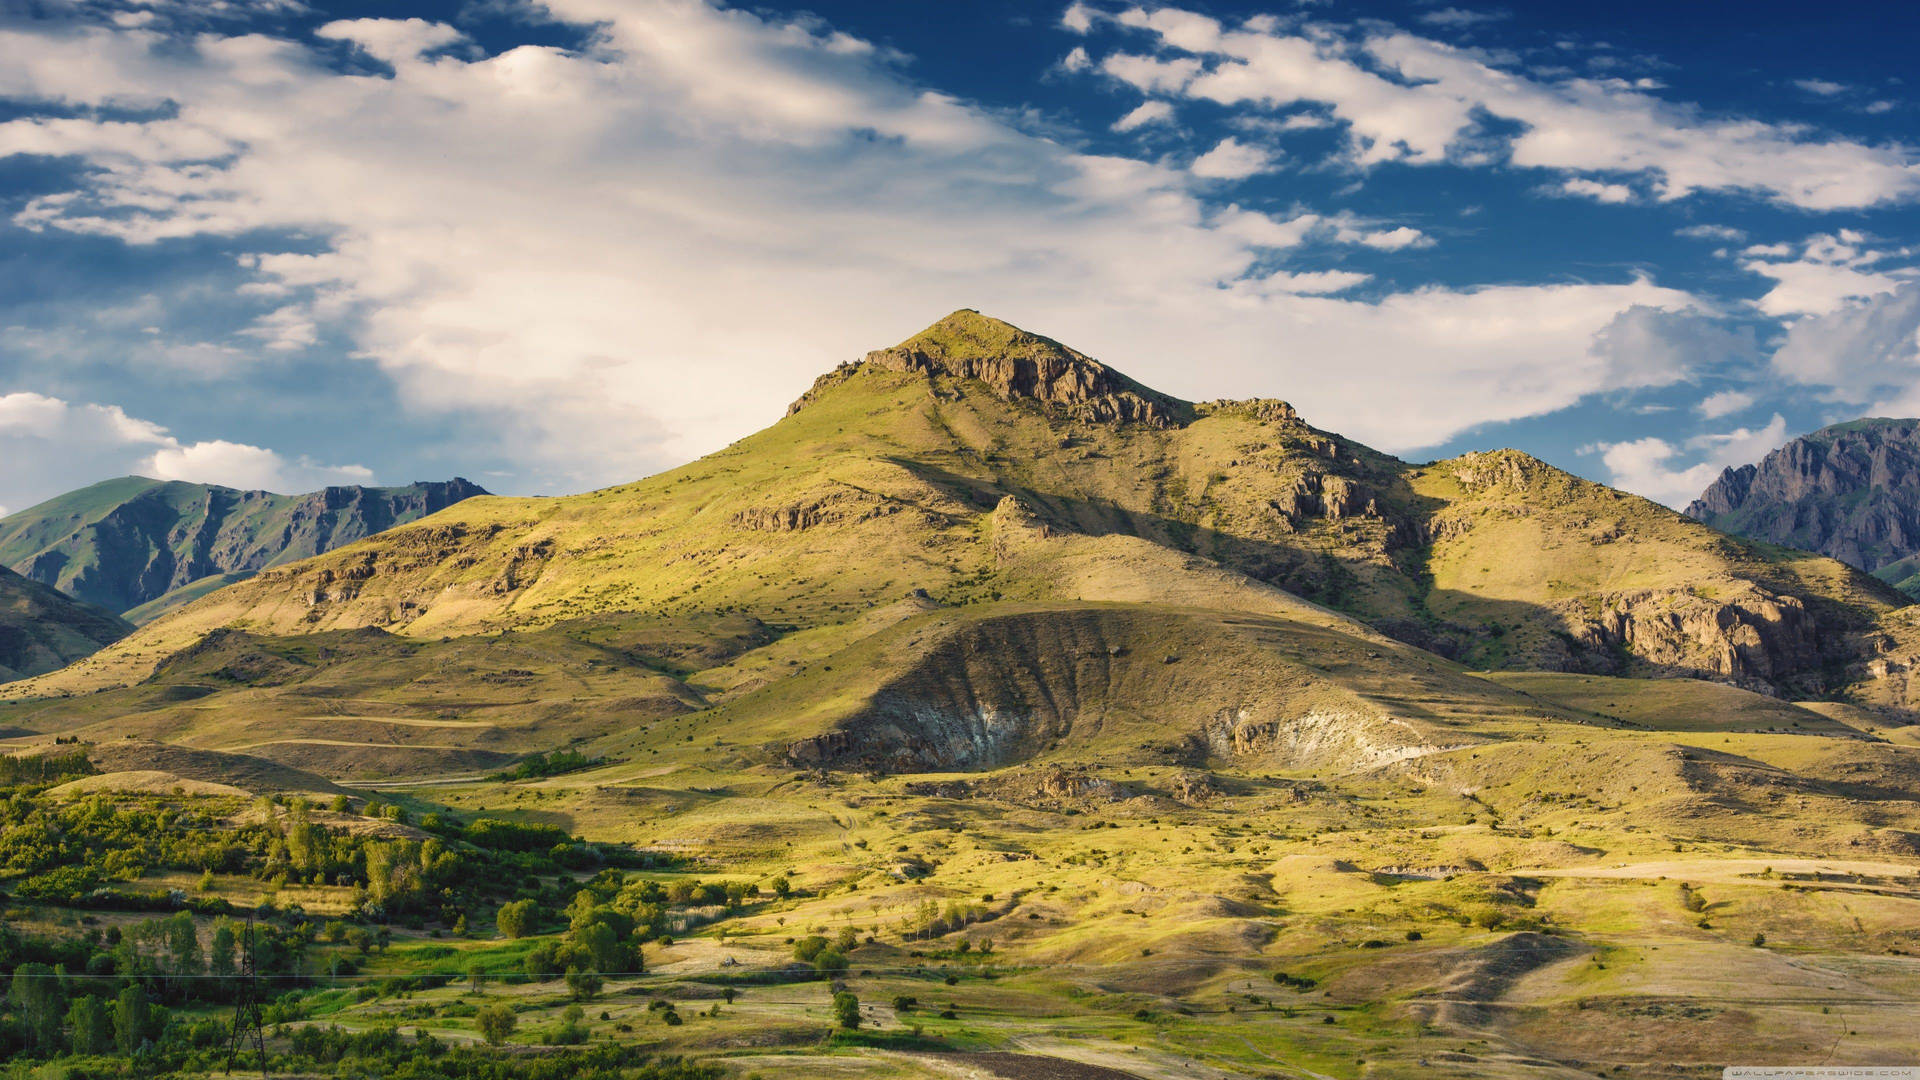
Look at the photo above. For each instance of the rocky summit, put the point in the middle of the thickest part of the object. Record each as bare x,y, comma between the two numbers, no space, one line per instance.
989,684
1851,491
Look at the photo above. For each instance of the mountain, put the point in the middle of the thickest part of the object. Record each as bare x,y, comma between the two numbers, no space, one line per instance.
1851,491
139,547
1230,746
911,471
42,628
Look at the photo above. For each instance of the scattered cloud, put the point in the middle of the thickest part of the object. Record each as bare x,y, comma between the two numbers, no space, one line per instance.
1822,273
1863,354
1232,159
1725,234
1460,18
1821,87
1147,113
1409,99
1724,403
1652,466
1397,239
52,445
631,252
1596,190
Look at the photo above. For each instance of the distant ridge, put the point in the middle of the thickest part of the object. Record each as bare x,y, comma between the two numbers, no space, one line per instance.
1851,491
128,544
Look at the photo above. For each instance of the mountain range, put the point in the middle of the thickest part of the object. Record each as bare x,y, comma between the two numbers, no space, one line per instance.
138,547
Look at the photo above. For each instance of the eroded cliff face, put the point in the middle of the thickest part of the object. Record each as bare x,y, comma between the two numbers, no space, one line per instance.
1007,689
1851,491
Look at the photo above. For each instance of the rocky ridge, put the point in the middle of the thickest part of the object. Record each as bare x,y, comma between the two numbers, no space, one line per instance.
1851,491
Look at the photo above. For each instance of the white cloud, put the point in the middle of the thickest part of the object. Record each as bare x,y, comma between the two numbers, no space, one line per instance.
242,466
1148,112
1864,353
1431,110
1649,467
1820,87
1459,18
1723,233
393,40
637,252
52,445
1724,403
1232,159
1823,273
1397,239
1596,190
1076,60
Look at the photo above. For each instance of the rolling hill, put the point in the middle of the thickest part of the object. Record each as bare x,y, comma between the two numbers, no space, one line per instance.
139,547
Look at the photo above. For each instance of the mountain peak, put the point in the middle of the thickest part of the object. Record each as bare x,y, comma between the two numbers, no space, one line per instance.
1018,365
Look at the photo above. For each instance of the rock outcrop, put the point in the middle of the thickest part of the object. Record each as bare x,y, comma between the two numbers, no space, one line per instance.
1851,491
1759,641
1017,365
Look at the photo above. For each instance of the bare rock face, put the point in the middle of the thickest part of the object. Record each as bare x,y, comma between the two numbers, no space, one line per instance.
1851,491
1762,642
1017,365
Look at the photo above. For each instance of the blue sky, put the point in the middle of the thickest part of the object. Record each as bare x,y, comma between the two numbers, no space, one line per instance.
552,247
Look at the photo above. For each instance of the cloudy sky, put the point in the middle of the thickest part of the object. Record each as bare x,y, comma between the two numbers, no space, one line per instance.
556,246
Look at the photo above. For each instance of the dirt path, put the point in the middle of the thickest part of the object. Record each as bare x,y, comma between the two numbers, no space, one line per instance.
1027,1067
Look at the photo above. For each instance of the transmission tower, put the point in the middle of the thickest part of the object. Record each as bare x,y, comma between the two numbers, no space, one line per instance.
249,1021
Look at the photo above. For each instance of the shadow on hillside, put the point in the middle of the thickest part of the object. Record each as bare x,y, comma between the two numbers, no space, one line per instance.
1483,633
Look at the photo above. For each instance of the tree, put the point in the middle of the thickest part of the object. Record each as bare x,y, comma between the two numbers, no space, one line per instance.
132,1020
516,920
782,887
583,984
39,1004
90,1029
476,977
846,1010
496,1022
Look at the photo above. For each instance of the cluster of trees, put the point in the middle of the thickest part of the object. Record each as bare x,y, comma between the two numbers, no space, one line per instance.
931,919
40,769
109,992
544,765
384,1052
